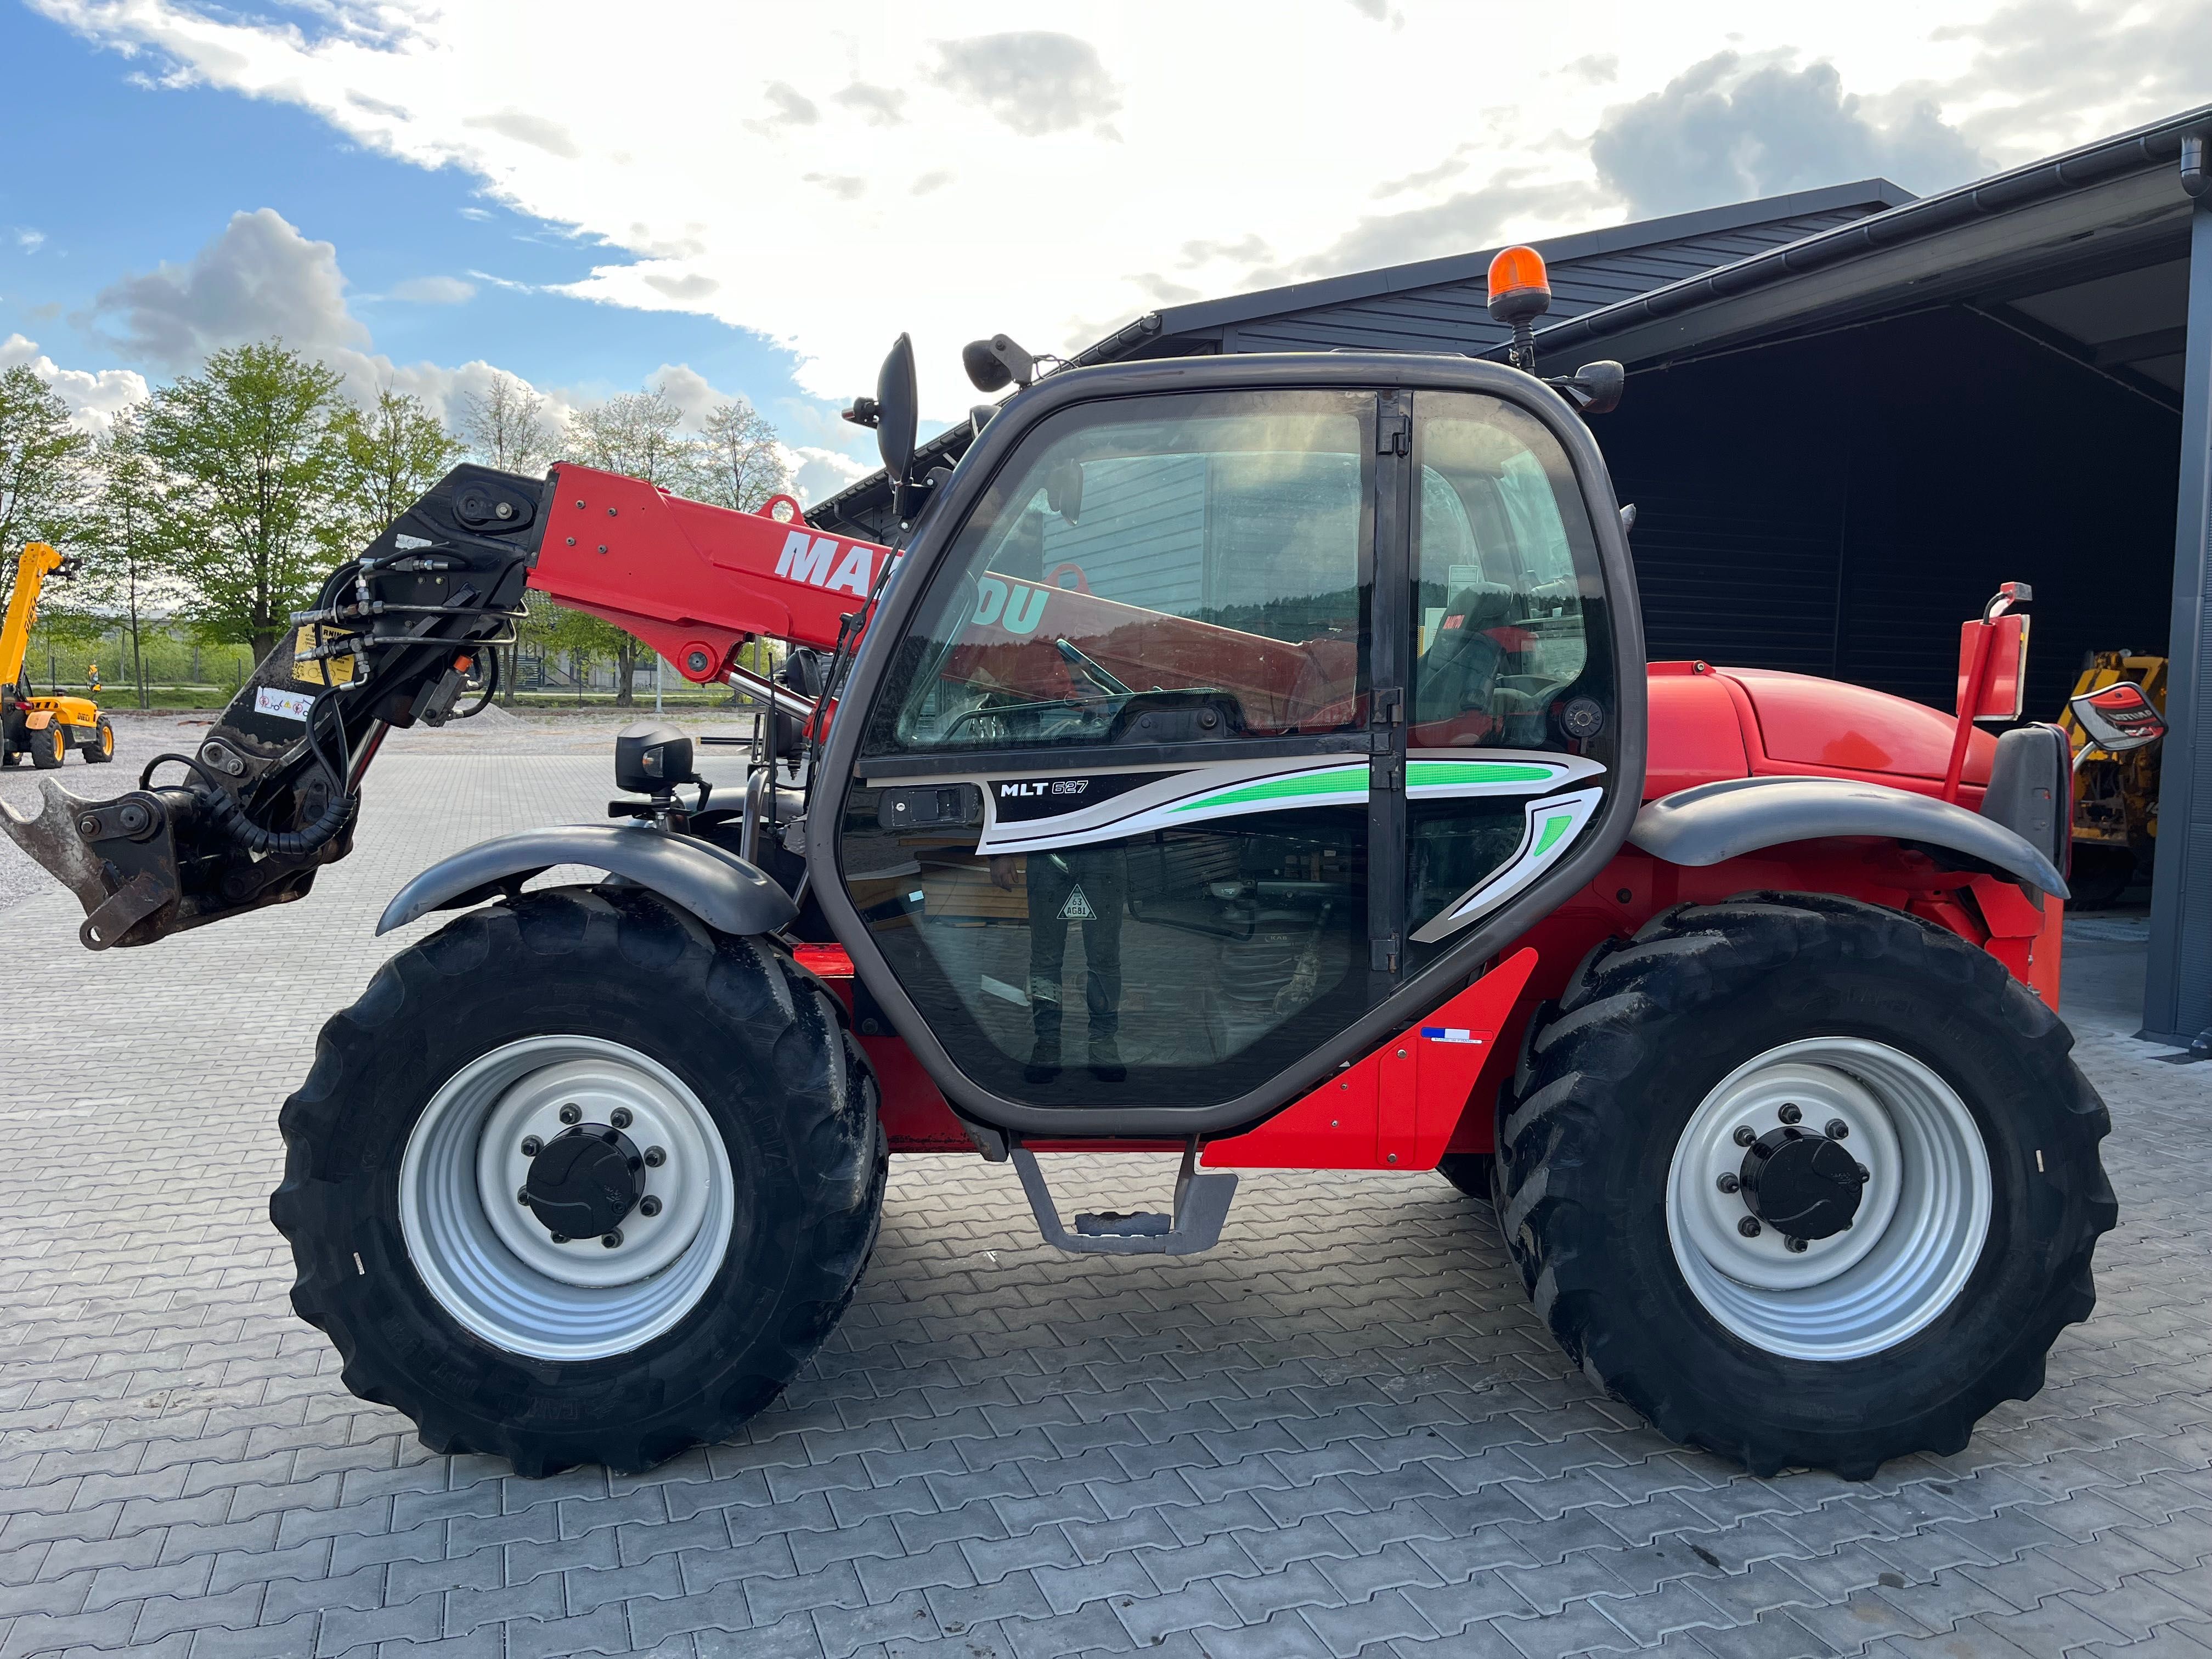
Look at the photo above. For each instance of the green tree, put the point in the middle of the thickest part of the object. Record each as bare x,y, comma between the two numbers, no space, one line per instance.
506,426
639,433
42,464
124,564
248,448
557,631
741,458
387,455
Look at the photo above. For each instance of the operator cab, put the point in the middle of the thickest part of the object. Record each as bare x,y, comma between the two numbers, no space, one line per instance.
1223,708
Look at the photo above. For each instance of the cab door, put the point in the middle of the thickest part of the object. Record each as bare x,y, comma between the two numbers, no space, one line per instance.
1111,824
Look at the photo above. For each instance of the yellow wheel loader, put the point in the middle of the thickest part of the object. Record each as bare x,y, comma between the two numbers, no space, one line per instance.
45,728
2115,773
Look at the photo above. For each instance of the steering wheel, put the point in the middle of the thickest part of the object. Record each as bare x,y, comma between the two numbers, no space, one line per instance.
1081,584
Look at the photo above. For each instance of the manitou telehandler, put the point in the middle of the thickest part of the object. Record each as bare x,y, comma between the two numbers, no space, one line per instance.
1250,757
44,728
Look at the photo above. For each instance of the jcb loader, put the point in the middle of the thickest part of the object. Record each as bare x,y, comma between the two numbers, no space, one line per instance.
1250,757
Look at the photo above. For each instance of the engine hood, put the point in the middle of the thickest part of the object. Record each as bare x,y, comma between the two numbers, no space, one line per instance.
1709,724
1807,721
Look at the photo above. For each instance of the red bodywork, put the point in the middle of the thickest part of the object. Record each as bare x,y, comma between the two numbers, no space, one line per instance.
697,583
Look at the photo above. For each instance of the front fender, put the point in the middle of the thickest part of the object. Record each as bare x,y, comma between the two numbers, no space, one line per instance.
1716,822
719,888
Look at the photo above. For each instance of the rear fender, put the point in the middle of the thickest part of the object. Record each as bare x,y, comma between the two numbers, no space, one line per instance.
719,888
1716,822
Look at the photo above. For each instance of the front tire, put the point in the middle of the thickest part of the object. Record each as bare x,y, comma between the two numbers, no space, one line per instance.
1934,1280
715,1061
101,749
48,744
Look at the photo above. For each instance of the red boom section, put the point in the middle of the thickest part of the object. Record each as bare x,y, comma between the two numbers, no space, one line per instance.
695,582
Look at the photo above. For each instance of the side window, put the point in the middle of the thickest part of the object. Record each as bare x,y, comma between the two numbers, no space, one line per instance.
1508,627
1168,570
1503,561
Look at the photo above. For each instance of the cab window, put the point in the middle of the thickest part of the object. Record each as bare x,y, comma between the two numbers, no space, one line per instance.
1504,565
1158,569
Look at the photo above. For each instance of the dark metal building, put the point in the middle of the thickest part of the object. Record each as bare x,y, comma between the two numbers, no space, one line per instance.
1851,414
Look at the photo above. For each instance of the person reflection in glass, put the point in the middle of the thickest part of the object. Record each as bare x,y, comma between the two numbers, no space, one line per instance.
1081,886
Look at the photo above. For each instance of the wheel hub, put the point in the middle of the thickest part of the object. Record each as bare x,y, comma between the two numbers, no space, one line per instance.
1801,1183
586,1182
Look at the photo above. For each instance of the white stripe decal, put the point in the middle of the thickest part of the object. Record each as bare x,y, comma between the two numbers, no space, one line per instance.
1549,828
1237,787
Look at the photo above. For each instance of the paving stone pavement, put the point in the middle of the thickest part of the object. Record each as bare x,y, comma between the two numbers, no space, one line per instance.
1340,1433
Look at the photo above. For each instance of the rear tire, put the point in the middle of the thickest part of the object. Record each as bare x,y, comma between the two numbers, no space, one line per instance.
101,749
1469,1171
2098,875
1971,1248
48,745
733,1062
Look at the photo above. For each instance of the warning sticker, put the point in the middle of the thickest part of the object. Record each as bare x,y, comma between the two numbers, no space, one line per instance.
285,705
1078,908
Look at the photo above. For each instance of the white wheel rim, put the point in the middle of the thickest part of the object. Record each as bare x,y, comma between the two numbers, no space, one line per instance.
1923,1218
484,1256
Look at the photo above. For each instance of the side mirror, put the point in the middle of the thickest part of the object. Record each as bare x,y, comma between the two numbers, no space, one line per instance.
897,410
2119,718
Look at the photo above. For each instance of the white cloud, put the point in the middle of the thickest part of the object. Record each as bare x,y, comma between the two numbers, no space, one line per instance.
259,277
28,240
433,291
94,397
1047,187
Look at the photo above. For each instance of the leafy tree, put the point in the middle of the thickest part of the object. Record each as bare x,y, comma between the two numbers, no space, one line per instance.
124,563
556,630
741,460
387,455
639,433
248,448
506,427
43,463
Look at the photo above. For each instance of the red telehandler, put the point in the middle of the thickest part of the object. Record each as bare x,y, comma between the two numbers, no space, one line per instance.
1250,757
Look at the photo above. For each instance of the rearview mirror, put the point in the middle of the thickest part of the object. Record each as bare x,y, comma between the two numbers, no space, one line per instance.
1063,490
897,409
2119,718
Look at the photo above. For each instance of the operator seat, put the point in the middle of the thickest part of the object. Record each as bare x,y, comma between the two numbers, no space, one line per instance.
1460,670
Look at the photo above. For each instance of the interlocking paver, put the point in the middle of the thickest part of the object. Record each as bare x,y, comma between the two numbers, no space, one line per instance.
1342,1432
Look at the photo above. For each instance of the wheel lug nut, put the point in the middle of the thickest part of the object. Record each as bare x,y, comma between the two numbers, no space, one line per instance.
1789,1114
522,1196
654,1158
532,1146
1745,1134
1747,1227
1837,1129
572,1114
560,1238
1728,1183
649,1205
611,1239
1794,1246
620,1117
1865,1174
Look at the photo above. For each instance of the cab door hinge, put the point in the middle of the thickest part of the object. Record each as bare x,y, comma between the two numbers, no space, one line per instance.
1384,773
1393,433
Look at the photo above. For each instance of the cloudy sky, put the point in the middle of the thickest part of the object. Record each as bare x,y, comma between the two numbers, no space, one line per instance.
739,200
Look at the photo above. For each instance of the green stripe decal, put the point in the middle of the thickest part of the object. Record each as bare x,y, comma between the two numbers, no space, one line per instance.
1337,780
1428,774
1554,827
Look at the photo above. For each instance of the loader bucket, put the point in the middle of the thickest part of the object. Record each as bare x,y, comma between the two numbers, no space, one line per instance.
50,836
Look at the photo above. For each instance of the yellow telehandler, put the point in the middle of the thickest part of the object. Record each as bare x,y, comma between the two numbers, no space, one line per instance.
45,728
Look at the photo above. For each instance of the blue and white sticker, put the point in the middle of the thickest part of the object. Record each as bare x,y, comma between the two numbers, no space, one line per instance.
1449,1034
